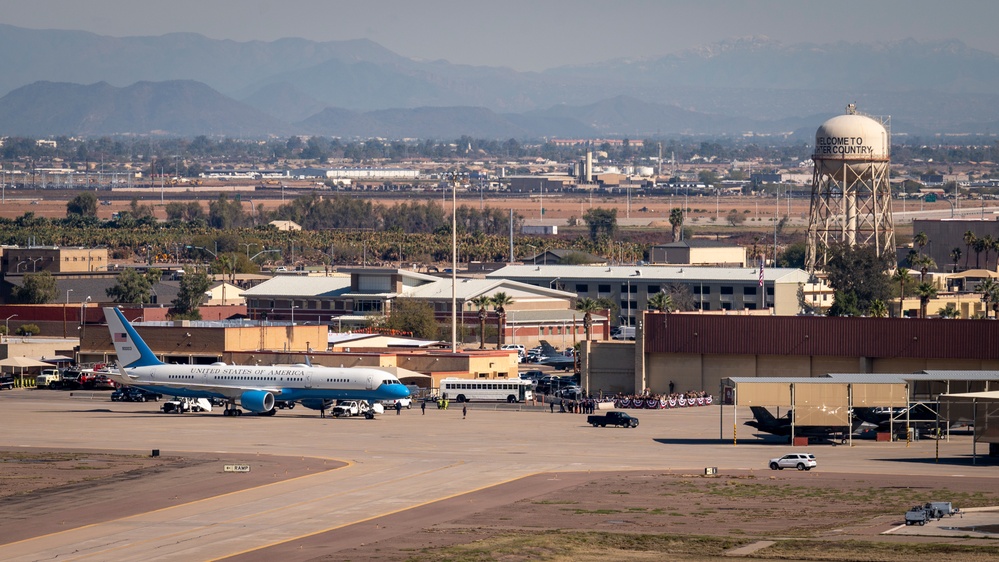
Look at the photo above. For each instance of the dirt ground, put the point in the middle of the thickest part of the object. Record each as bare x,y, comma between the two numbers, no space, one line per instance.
579,515
48,491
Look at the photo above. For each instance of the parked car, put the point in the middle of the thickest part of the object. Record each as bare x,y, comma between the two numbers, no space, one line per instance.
6,382
801,461
132,394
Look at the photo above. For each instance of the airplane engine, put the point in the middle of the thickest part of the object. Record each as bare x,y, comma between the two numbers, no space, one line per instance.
317,404
257,401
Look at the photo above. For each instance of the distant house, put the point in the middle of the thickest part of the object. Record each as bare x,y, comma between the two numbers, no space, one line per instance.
286,225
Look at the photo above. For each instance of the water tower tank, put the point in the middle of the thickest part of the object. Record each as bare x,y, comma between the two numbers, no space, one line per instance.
849,143
851,188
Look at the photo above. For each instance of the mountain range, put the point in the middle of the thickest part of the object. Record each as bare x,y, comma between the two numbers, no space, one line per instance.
79,83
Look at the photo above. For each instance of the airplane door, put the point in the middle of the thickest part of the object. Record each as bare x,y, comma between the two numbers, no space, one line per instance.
371,382
308,378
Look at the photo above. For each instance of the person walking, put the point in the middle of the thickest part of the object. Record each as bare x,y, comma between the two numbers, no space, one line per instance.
464,411
423,407
398,408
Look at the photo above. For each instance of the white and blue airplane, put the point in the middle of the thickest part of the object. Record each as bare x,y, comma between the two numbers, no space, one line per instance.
254,388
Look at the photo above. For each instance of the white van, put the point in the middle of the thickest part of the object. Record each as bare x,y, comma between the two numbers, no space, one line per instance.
625,333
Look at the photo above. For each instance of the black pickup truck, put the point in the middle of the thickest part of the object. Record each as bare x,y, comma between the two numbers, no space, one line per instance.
620,419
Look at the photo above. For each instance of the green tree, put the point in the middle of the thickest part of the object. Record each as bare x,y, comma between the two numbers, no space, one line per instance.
413,316
735,218
483,302
28,330
587,306
793,255
949,311
37,288
878,309
920,240
989,289
901,276
969,240
707,177
676,221
926,292
190,296
661,301
601,221
130,287
84,205
844,304
500,302
859,271
955,255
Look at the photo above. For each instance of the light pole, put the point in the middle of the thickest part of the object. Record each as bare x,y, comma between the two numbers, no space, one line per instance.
34,264
263,252
83,319
534,250
293,307
18,269
6,324
248,248
68,291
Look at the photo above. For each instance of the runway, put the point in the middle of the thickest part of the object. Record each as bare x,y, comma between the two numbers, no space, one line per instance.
393,464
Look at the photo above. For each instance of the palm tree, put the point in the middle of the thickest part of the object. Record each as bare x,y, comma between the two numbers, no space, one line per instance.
949,311
676,221
990,295
920,240
482,301
926,292
500,302
924,263
878,309
901,277
978,246
969,239
955,255
587,306
989,244
662,302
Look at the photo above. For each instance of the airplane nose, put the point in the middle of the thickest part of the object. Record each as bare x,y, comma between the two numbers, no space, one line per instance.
400,392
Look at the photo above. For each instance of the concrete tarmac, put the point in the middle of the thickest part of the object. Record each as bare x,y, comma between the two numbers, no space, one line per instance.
393,463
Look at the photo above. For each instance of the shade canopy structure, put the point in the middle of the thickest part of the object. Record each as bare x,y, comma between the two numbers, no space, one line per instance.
22,363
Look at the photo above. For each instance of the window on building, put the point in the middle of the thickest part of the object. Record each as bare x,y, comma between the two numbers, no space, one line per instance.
749,290
653,289
727,290
603,288
627,288
582,288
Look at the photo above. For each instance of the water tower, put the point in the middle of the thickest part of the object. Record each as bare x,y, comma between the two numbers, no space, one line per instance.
851,195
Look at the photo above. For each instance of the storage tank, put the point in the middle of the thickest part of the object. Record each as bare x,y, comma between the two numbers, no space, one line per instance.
851,188
850,144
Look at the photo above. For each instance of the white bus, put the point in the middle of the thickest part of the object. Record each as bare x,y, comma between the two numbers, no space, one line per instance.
468,390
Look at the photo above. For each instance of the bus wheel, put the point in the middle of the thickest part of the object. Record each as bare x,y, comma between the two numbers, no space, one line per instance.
511,399
460,398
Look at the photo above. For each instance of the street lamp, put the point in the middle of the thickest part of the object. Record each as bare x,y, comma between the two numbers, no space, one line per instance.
263,252
248,248
34,264
83,319
68,291
6,324
293,307
18,269
534,250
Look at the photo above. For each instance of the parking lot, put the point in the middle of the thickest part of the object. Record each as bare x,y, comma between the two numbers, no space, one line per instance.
396,463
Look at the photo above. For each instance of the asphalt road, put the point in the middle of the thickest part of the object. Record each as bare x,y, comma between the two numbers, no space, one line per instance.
391,465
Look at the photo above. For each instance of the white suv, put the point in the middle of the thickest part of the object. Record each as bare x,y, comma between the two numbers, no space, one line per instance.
801,461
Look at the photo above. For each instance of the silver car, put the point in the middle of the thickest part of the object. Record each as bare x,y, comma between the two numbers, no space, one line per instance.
801,461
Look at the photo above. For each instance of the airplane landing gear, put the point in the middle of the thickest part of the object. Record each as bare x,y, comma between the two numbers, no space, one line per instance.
231,409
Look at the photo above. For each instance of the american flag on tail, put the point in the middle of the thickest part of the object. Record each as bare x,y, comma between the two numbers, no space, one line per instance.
121,337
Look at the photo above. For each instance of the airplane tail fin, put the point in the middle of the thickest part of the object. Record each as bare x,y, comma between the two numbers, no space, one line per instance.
131,350
547,349
762,415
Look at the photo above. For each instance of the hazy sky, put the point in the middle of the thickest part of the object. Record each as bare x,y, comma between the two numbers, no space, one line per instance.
524,34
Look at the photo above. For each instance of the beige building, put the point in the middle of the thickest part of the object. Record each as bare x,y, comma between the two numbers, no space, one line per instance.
18,260
698,252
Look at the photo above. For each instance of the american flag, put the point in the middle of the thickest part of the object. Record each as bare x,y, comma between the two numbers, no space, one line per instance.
762,260
122,337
